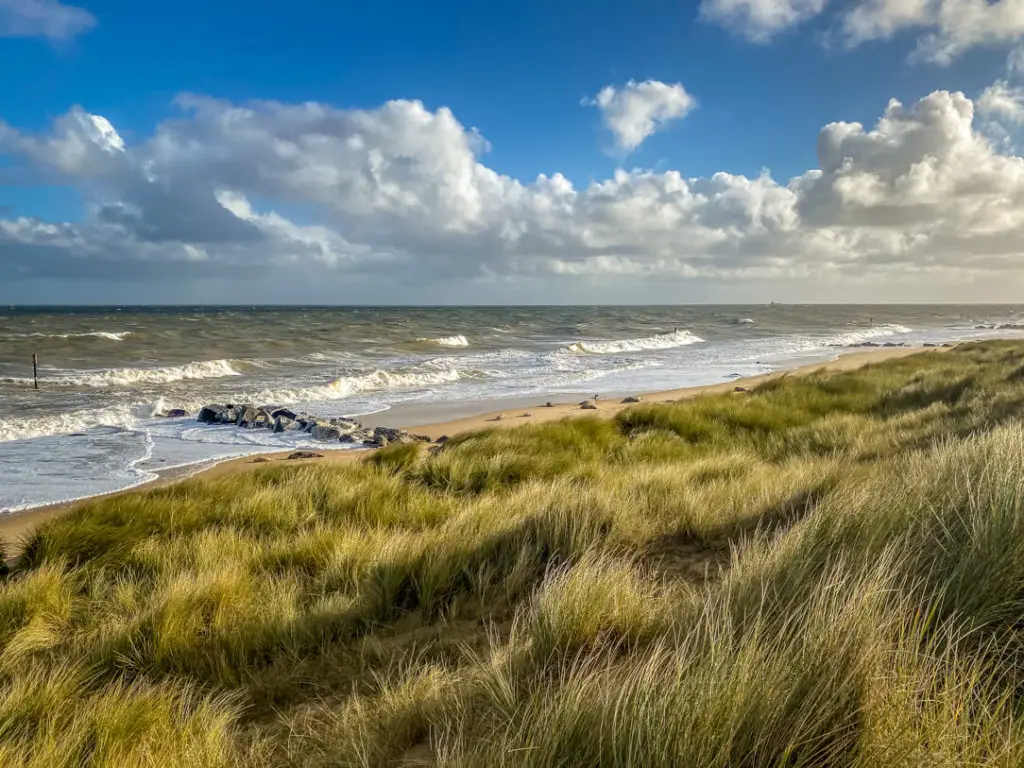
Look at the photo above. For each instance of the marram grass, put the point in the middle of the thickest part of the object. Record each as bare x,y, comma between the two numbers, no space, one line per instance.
828,571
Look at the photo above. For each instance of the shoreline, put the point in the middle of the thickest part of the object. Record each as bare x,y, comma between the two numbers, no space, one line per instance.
15,526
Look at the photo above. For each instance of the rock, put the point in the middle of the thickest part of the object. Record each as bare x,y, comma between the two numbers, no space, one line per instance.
631,399
283,412
345,423
211,414
175,413
525,415
442,439
376,441
949,344
77,434
231,414
549,404
421,438
588,405
283,424
497,417
434,449
254,418
324,431
392,435
305,455
740,389
930,344
260,460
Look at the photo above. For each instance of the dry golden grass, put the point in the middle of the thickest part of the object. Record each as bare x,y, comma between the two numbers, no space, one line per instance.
826,572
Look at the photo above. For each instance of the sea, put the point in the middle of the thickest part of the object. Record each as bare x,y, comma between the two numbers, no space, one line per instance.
107,374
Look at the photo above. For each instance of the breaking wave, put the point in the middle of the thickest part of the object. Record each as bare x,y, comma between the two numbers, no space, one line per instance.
111,336
859,337
23,428
375,381
126,377
447,341
660,341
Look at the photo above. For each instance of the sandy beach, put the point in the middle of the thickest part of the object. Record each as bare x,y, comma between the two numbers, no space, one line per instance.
14,527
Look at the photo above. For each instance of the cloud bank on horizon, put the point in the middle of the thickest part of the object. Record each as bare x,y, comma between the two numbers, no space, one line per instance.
227,188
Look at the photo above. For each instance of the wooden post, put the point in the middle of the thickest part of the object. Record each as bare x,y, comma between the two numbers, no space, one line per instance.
35,371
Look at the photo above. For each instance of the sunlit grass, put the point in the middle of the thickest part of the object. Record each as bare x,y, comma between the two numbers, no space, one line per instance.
828,570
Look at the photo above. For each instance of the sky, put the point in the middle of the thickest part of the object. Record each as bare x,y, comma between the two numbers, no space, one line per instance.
717,151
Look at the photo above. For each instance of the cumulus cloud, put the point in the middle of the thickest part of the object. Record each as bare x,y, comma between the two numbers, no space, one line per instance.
637,110
43,18
401,190
760,20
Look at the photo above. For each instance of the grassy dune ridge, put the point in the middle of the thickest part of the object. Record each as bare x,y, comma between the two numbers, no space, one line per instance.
826,571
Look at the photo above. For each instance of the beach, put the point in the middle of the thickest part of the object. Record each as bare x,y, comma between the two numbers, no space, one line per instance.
15,526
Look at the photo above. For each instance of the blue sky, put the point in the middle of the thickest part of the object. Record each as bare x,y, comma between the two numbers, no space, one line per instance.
524,76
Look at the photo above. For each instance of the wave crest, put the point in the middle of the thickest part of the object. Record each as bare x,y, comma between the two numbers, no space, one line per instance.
123,416
447,341
859,337
660,341
109,335
125,377
375,381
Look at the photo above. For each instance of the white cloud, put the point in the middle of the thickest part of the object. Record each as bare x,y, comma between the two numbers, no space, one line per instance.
400,192
1015,62
43,18
637,110
947,28
1003,102
950,26
760,20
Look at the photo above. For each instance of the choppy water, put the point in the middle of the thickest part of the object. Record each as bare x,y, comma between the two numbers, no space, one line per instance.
105,373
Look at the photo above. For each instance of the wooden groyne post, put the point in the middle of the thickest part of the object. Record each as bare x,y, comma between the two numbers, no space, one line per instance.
35,371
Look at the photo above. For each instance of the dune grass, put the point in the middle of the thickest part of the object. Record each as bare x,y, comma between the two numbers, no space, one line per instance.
826,571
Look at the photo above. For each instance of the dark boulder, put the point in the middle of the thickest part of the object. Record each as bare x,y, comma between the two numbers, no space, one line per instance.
175,413
283,424
283,412
249,417
211,414
631,399
325,431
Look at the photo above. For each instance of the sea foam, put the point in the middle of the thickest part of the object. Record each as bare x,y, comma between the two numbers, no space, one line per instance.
859,337
126,377
374,381
660,341
447,341
109,335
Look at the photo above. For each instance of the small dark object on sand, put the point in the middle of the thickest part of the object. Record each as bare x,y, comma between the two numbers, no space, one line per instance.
549,404
442,439
498,417
588,405
305,455
525,415
259,460
631,399
741,389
